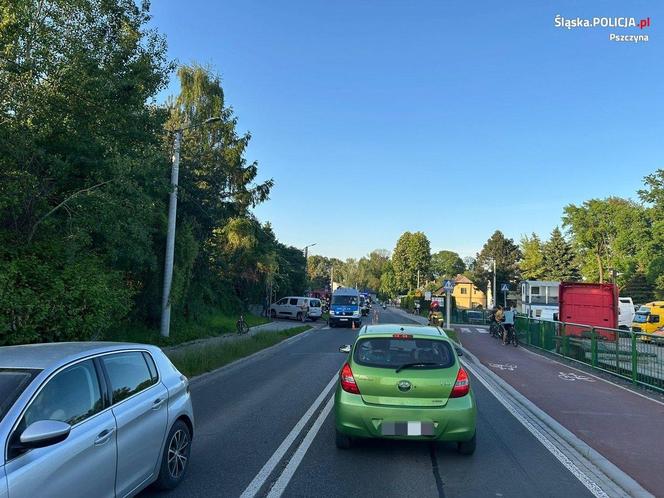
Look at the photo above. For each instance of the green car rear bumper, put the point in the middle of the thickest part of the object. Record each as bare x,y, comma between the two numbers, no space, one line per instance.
453,422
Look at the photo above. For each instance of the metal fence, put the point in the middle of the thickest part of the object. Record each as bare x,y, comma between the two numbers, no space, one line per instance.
635,356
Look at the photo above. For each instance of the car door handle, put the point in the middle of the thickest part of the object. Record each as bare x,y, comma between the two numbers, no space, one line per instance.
157,403
104,437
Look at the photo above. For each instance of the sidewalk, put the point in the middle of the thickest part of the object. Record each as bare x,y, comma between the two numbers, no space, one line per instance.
625,426
273,326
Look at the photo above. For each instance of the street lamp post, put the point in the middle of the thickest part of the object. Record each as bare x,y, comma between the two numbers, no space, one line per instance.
170,236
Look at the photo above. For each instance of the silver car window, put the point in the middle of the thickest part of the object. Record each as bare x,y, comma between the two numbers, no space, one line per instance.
12,383
128,373
71,396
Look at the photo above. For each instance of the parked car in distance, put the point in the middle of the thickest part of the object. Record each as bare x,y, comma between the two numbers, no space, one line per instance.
294,306
404,382
625,312
648,318
86,419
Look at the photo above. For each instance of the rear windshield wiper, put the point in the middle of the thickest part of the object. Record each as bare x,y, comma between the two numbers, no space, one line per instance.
418,364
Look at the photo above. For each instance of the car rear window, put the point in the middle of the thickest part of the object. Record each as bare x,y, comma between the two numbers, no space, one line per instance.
387,352
12,383
314,303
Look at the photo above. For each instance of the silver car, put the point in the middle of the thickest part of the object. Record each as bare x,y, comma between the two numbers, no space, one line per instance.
91,420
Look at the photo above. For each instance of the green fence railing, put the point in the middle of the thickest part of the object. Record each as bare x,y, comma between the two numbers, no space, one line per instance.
634,356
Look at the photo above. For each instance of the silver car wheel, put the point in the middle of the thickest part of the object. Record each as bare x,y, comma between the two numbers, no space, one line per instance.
177,453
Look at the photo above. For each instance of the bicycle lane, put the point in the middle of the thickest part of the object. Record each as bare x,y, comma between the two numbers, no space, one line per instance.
620,424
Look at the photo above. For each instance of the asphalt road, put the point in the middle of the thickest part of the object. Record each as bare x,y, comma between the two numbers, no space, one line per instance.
244,413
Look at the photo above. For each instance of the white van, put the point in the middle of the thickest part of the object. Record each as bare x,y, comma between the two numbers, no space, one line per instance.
625,313
293,307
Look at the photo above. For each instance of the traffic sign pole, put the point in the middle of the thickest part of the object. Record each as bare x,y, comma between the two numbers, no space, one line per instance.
448,305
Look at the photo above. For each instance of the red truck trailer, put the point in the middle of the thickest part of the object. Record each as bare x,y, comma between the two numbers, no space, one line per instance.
594,305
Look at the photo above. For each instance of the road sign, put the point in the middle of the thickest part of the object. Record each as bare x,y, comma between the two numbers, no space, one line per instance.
448,285
504,288
427,296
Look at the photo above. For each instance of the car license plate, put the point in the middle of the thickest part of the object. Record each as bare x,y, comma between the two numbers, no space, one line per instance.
407,428
344,319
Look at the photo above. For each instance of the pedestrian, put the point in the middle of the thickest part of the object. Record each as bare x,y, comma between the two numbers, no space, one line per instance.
305,310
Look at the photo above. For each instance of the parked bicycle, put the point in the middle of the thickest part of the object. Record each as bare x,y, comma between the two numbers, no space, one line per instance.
241,326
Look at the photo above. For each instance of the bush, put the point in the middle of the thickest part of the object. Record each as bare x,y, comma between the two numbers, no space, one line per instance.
47,300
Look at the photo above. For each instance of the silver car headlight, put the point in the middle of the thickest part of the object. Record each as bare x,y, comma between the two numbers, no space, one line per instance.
331,312
356,313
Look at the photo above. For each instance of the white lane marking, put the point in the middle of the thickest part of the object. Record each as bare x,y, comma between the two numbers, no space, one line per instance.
257,483
501,366
591,485
285,477
597,377
482,331
571,376
466,331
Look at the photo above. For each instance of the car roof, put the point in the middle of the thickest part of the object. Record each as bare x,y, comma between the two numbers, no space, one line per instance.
397,328
347,291
44,356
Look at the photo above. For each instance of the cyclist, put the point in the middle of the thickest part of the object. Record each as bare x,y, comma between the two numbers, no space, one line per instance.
500,318
508,325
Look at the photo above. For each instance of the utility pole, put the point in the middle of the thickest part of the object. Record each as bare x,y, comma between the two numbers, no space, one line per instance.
493,296
418,278
170,238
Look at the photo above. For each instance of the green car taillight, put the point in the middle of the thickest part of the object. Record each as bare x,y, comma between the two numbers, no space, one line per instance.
461,385
347,380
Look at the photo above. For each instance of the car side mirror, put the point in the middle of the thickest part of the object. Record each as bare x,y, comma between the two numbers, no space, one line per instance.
44,433
459,351
345,348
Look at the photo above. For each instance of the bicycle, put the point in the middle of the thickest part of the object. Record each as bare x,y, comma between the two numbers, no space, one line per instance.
241,326
509,336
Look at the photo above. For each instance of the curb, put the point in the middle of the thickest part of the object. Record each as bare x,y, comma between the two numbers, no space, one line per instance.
610,470
252,357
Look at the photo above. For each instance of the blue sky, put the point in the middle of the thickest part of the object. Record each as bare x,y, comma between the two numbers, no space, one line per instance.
454,118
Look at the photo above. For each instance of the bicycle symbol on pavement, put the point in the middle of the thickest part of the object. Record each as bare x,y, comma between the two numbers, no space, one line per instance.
501,366
571,376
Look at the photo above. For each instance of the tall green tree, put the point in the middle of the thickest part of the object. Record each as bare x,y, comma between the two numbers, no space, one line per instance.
389,287
532,262
372,267
411,254
608,235
82,177
505,253
446,264
560,260
651,259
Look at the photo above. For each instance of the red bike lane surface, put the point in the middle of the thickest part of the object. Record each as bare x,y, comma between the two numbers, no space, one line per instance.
625,427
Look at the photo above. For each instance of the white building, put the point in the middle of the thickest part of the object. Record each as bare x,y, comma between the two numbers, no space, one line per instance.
539,299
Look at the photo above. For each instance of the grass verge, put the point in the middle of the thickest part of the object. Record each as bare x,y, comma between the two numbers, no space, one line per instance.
452,335
182,330
198,360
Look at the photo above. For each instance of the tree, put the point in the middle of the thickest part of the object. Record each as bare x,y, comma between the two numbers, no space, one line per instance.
559,261
607,234
651,258
446,264
81,165
318,271
389,287
505,253
532,262
371,268
411,254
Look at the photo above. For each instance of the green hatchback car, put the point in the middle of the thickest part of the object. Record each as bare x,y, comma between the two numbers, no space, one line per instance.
404,382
